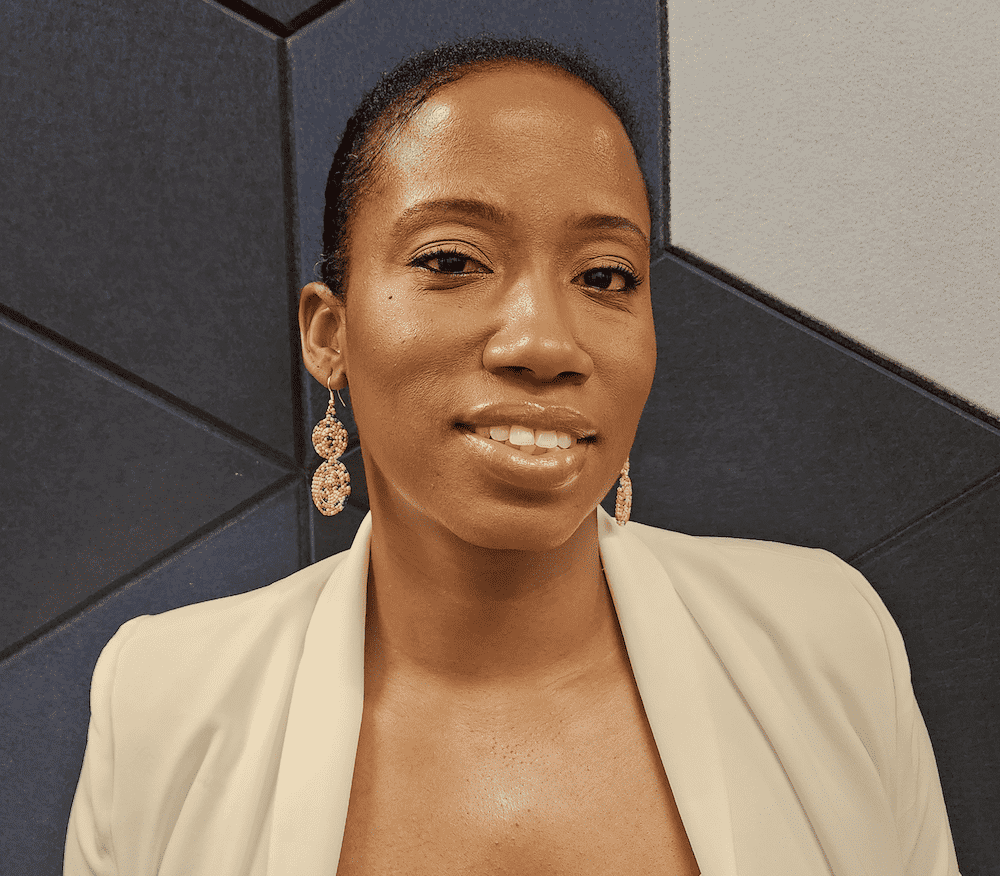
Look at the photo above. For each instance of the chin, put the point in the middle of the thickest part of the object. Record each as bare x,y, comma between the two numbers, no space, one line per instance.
501,519
520,529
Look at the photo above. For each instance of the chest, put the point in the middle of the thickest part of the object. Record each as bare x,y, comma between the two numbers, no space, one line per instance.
567,791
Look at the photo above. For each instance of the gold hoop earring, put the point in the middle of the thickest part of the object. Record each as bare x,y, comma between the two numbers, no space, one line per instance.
331,484
623,499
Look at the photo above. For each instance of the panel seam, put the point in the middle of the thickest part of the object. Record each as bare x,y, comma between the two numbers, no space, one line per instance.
663,45
189,542
941,509
115,374
273,25
846,344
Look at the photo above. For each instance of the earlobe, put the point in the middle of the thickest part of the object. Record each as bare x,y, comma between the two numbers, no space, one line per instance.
322,328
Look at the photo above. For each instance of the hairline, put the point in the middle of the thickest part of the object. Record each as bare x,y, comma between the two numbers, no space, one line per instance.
360,157
405,107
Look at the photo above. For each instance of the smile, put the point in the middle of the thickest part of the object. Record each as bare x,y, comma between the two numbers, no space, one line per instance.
529,441
533,467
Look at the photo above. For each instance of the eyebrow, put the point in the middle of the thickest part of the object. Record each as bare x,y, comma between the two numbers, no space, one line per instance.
473,208
597,223
428,210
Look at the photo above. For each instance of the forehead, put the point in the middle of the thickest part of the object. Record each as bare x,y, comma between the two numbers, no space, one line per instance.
507,92
513,127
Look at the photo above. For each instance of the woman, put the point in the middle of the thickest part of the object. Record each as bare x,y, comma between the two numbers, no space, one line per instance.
497,677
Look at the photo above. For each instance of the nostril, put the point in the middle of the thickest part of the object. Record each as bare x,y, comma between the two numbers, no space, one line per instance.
537,356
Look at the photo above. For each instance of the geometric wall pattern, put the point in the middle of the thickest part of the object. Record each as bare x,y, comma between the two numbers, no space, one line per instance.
841,156
162,173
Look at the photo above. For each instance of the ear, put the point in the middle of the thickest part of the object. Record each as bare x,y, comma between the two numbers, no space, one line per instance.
323,329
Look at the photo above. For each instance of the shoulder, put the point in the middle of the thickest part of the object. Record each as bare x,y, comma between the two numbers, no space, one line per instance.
748,553
767,579
188,711
213,644
800,632
803,616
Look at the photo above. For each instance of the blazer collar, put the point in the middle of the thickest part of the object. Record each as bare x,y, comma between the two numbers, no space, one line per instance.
324,718
668,656
323,725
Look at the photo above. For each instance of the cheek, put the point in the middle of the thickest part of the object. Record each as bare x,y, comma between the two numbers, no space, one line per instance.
403,359
632,362
381,333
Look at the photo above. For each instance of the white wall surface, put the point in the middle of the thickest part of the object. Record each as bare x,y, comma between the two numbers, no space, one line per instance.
845,157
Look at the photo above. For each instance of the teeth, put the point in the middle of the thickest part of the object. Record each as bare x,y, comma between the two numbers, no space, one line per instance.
521,436
527,439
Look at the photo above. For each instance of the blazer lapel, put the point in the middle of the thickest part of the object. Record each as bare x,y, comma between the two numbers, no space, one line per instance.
808,756
324,722
672,659
667,652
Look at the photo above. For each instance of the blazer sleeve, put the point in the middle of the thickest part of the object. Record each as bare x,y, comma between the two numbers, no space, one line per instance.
90,849
924,835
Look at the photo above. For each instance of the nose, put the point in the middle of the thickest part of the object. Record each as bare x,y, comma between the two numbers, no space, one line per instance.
536,334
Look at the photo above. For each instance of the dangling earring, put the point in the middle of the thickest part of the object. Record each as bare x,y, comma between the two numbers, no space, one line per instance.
623,500
331,484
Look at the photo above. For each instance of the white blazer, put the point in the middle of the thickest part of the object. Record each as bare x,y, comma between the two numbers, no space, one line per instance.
223,735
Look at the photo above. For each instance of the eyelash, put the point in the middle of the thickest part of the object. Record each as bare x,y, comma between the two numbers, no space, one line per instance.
422,260
631,279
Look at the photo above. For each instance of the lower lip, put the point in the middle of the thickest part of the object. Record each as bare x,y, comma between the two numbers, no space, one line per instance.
553,470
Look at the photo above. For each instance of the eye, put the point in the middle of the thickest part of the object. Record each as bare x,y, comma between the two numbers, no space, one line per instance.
609,279
450,262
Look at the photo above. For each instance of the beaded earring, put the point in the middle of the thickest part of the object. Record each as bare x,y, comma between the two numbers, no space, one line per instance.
331,484
623,499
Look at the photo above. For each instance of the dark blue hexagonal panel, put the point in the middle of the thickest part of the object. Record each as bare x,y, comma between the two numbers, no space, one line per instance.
144,208
759,428
97,480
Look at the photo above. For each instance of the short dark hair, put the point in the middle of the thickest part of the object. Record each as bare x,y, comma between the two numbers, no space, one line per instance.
397,97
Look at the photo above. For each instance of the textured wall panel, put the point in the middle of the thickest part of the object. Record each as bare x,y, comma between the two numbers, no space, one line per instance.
941,581
44,690
842,156
142,202
758,428
96,480
341,55
283,10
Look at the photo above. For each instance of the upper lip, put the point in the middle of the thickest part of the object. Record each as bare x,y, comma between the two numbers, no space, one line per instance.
549,418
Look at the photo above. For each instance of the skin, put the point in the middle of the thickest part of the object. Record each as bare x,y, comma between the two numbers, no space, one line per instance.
476,587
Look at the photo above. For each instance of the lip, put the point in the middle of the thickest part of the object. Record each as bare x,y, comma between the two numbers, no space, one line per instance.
554,470
550,418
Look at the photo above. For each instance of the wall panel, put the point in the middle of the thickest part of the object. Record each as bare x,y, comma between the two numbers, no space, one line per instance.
97,480
760,428
144,197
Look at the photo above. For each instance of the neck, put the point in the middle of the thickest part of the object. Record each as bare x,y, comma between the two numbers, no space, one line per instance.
442,611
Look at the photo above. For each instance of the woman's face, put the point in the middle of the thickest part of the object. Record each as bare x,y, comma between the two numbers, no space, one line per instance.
499,277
